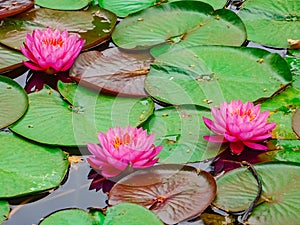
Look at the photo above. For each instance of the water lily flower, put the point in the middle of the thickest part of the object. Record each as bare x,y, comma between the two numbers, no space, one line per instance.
239,124
122,148
50,50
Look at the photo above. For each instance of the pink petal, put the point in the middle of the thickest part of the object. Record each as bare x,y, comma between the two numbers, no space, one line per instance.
216,138
33,66
110,171
261,137
230,137
256,146
213,126
144,163
208,122
236,147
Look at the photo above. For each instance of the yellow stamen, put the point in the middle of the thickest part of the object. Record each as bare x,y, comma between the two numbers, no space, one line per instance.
125,140
53,42
242,114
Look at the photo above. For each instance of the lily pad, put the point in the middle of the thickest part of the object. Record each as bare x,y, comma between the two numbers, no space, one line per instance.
282,106
209,75
271,22
10,59
173,192
280,193
130,214
113,71
185,23
14,101
94,25
4,210
289,151
52,120
28,168
123,8
69,217
180,130
294,63
13,7
63,4
296,122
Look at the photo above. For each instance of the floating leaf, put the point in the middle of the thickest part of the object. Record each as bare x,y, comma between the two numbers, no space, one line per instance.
173,192
280,193
209,75
94,25
10,59
63,4
123,8
69,217
263,20
130,214
4,210
52,120
28,168
186,23
113,71
296,122
289,151
14,101
282,107
13,7
180,130
294,63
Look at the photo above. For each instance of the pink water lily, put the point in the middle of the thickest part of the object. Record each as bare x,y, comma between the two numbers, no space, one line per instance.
50,50
121,148
240,124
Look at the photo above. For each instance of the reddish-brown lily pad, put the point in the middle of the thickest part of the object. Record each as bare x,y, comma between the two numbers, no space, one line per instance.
173,192
94,25
113,71
296,122
13,7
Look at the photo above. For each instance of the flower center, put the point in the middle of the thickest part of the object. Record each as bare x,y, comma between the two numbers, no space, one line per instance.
242,113
124,140
54,42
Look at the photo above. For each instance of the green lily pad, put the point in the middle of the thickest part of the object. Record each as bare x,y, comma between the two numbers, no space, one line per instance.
113,71
294,63
63,4
14,101
52,120
130,214
4,210
173,192
185,23
94,25
69,217
10,59
209,75
280,193
282,107
271,22
123,8
289,151
28,168
180,130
